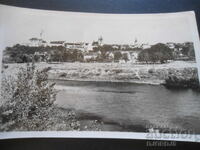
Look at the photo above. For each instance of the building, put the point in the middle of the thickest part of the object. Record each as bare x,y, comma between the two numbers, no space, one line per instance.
145,46
91,56
35,42
171,45
56,43
82,46
111,56
134,56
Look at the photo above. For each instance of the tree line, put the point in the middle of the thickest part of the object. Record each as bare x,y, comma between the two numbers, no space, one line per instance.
158,53
161,53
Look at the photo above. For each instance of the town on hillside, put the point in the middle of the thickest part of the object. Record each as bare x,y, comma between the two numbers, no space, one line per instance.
40,50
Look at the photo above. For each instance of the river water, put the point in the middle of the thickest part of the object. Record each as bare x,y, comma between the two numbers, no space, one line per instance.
133,104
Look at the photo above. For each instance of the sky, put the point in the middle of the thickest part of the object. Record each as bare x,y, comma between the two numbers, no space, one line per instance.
18,25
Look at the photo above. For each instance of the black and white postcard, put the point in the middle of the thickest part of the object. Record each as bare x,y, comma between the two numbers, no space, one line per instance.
108,73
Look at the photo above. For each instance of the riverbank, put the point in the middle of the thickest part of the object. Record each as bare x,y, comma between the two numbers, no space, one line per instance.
73,120
115,72
69,120
62,119
154,74
186,78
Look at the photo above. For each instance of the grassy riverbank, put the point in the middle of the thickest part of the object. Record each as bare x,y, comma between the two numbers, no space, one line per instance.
115,72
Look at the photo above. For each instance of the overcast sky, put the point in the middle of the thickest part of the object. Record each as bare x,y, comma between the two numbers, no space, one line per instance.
17,25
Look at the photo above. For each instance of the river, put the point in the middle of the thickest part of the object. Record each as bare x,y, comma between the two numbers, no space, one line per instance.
132,105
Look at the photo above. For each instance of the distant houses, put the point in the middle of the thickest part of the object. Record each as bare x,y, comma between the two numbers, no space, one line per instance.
145,46
92,52
97,51
90,57
182,51
56,43
82,46
35,42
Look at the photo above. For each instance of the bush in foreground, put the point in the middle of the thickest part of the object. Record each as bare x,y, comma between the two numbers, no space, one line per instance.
28,103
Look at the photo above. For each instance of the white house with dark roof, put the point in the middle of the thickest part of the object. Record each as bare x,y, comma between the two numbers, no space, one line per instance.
56,43
82,46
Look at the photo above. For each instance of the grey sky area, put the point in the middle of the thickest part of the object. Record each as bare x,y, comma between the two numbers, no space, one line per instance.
17,25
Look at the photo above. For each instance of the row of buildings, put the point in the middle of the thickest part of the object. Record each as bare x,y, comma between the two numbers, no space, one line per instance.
84,46
128,52
88,49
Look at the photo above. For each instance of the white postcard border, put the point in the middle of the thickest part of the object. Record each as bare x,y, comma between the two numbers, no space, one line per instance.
113,135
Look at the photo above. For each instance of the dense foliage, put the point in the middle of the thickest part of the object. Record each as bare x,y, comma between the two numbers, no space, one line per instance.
157,53
187,78
27,104
28,100
23,54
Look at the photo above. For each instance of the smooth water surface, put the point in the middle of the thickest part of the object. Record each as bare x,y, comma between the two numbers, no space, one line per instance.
129,103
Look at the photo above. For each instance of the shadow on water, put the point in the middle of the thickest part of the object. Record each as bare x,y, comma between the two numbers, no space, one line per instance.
189,126
132,107
189,123
94,83
113,91
111,125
